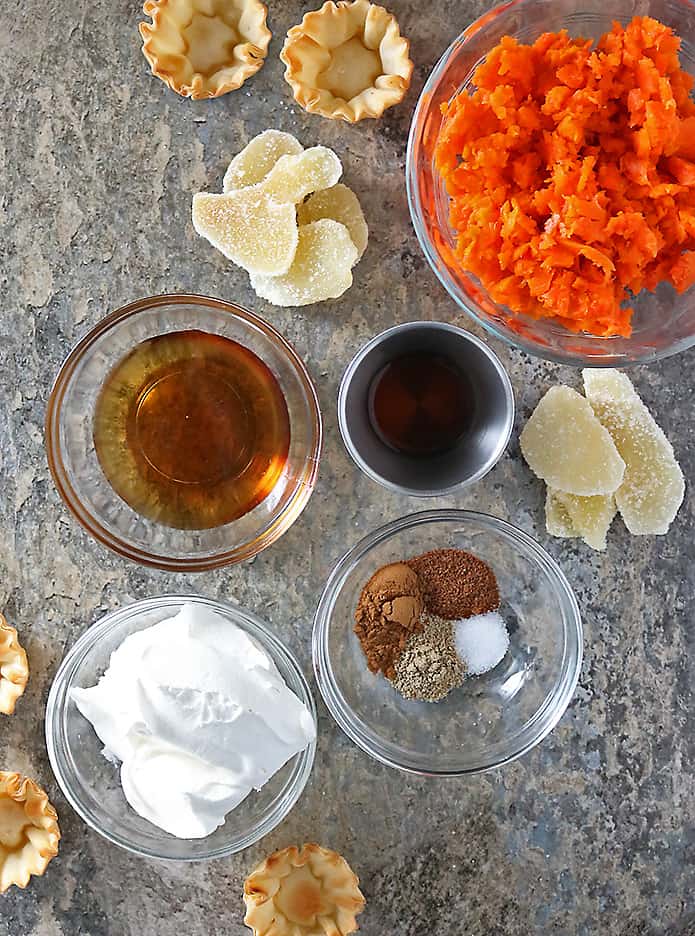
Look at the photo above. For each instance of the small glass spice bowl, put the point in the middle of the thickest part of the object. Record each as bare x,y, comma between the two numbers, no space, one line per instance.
91,783
492,719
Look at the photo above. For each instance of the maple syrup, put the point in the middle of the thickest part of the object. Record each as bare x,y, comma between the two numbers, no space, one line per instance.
191,430
421,404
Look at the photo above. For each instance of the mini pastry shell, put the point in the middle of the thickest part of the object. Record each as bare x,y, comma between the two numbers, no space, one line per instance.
205,48
308,891
14,668
347,61
29,832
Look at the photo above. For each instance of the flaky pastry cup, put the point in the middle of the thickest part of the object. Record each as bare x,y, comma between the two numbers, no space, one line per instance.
307,891
14,668
347,61
29,832
205,48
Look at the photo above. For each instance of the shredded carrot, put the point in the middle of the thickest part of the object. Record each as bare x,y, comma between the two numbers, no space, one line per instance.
571,174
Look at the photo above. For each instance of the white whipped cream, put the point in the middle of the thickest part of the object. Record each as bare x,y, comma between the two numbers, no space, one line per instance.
198,715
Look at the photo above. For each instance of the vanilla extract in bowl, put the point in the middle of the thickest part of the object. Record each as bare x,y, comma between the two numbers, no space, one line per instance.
191,430
425,408
421,404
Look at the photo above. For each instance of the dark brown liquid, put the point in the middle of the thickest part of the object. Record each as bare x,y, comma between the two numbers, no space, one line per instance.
191,430
421,404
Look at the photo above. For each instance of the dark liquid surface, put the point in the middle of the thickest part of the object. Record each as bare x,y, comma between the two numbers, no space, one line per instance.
191,430
421,404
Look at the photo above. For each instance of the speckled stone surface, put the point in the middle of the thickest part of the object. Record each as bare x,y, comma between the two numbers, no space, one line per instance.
591,833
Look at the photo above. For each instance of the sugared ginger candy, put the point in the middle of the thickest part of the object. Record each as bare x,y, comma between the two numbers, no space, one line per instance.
322,267
589,517
292,178
338,203
565,445
249,228
652,488
258,157
557,519
285,218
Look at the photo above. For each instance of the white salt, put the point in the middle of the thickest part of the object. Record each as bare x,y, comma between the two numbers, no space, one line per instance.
481,641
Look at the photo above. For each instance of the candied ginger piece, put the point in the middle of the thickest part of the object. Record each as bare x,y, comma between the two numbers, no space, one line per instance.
591,517
258,157
557,520
653,487
341,204
321,269
250,228
565,445
292,178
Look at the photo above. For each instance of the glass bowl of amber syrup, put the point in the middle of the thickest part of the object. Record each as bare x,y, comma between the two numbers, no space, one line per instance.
184,433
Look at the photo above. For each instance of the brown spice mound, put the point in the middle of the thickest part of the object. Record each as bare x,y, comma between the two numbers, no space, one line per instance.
456,584
387,613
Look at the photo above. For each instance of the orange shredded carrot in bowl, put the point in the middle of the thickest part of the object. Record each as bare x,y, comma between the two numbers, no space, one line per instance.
571,174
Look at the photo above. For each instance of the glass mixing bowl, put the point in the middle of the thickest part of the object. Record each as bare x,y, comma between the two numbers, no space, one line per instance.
91,784
75,466
664,322
492,719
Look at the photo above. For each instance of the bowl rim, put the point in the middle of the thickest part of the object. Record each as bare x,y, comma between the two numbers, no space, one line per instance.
547,716
70,497
89,640
648,356
485,350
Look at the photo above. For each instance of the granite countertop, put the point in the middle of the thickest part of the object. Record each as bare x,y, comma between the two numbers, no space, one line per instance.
592,832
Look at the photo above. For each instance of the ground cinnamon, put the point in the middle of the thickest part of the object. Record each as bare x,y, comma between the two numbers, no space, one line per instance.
388,612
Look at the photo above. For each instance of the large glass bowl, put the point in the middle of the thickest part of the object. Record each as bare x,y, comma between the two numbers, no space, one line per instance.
492,719
91,784
83,485
664,322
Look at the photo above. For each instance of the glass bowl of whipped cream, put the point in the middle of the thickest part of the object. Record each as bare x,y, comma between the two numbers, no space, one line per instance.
181,728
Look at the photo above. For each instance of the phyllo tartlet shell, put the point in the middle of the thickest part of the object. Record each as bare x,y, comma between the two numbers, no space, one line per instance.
205,48
347,61
307,891
29,832
14,668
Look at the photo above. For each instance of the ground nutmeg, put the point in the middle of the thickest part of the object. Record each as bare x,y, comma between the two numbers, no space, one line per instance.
455,583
